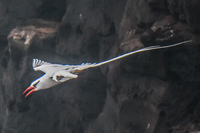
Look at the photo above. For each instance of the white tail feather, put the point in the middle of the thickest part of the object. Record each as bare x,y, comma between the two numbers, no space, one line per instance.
137,51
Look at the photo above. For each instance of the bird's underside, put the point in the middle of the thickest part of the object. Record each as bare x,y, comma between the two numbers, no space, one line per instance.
57,73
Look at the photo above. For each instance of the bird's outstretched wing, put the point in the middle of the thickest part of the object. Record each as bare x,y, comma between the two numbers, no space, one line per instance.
50,69
63,75
39,65
83,66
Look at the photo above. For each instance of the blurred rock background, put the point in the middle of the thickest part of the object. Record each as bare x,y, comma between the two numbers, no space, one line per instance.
151,92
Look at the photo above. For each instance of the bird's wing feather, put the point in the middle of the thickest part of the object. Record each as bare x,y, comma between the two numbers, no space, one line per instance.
63,75
71,72
51,69
84,66
39,65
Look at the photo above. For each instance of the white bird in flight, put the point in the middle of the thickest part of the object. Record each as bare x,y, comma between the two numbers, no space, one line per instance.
57,73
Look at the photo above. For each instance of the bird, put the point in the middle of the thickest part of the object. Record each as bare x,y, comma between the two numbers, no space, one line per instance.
57,73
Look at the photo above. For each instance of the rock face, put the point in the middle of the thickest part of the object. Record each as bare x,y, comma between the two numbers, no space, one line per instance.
151,92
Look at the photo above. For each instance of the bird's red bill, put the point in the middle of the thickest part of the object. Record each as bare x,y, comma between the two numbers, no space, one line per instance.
30,92
29,88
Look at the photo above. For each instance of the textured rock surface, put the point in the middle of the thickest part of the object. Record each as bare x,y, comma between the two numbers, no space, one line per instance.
151,92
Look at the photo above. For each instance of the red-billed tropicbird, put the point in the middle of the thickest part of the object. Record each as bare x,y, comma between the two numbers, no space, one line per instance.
57,73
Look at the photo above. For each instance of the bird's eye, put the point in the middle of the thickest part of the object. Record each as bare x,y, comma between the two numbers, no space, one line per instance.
36,84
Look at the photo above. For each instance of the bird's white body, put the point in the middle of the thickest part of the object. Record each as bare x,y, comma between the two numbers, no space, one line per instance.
57,73
44,82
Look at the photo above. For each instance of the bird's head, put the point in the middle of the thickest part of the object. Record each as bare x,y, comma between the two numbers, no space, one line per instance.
32,88
41,83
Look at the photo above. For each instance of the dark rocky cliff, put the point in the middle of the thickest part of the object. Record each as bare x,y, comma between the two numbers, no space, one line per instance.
151,92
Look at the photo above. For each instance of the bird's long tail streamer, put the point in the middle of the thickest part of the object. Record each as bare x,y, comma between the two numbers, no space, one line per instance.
140,50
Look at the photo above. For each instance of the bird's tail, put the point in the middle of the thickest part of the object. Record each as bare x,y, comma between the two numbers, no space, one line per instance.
140,50
130,53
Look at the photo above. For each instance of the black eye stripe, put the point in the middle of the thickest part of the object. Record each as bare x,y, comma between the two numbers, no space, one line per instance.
36,83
